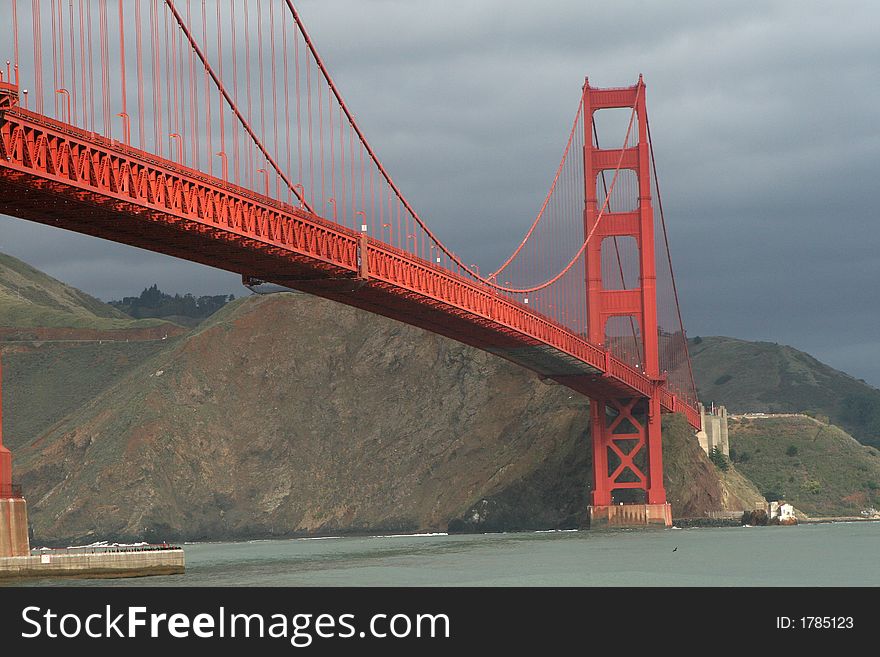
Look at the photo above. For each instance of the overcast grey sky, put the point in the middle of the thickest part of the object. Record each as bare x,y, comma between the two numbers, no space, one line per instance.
764,123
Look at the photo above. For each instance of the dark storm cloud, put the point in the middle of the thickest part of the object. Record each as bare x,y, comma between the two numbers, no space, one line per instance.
764,123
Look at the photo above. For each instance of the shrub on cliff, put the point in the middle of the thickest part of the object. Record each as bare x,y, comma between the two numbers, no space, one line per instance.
719,459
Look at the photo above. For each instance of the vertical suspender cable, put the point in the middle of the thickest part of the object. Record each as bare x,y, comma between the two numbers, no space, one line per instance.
220,108
250,107
311,145
233,106
122,60
38,56
139,47
235,154
15,31
55,82
208,127
157,81
82,66
193,96
105,73
692,391
92,119
274,91
73,85
261,70
287,99
298,116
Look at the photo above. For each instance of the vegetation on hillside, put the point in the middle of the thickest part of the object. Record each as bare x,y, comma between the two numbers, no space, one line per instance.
29,298
152,302
719,460
817,467
771,378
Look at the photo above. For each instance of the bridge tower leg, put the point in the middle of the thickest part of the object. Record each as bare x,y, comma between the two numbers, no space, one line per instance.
627,443
13,509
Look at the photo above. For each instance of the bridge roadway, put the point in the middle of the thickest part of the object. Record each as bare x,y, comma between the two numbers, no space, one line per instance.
59,175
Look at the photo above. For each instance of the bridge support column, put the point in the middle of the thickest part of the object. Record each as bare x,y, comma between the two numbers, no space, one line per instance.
628,486
13,509
599,428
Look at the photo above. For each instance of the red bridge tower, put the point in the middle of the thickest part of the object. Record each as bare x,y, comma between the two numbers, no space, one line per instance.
627,448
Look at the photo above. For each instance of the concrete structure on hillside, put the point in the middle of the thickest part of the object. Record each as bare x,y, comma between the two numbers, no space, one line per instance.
713,433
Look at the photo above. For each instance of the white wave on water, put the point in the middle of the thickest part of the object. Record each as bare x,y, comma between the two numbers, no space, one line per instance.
316,538
105,544
298,538
554,531
409,535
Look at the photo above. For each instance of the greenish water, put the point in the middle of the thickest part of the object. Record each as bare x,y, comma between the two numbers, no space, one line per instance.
835,554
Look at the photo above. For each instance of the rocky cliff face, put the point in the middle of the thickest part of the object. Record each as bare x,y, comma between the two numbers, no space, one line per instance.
555,494
288,414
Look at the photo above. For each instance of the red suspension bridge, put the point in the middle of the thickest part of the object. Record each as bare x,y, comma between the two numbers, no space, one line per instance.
211,130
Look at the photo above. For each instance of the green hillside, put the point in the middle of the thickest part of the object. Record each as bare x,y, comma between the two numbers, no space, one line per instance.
772,378
817,467
29,298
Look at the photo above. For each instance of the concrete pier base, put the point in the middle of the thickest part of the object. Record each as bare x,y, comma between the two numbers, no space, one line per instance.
122,563
630,515
13,527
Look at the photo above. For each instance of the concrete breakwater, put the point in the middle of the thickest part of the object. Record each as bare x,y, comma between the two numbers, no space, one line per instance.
137,561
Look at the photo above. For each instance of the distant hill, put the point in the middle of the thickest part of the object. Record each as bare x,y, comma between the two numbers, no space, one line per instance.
817,467
31,299
184,309
771,378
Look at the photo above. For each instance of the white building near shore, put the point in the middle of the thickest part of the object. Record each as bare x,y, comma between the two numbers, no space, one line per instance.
782,510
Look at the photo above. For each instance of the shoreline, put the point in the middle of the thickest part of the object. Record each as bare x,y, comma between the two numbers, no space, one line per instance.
828,519
676,523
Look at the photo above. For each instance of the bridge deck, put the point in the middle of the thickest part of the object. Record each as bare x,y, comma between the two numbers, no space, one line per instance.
58,175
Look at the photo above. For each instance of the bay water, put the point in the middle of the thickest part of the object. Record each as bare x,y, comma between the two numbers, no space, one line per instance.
828,554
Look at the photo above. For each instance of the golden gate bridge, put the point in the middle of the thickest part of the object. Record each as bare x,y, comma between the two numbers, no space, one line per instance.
211,130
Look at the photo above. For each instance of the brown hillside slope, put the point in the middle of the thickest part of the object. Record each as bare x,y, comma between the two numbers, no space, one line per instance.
289,415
